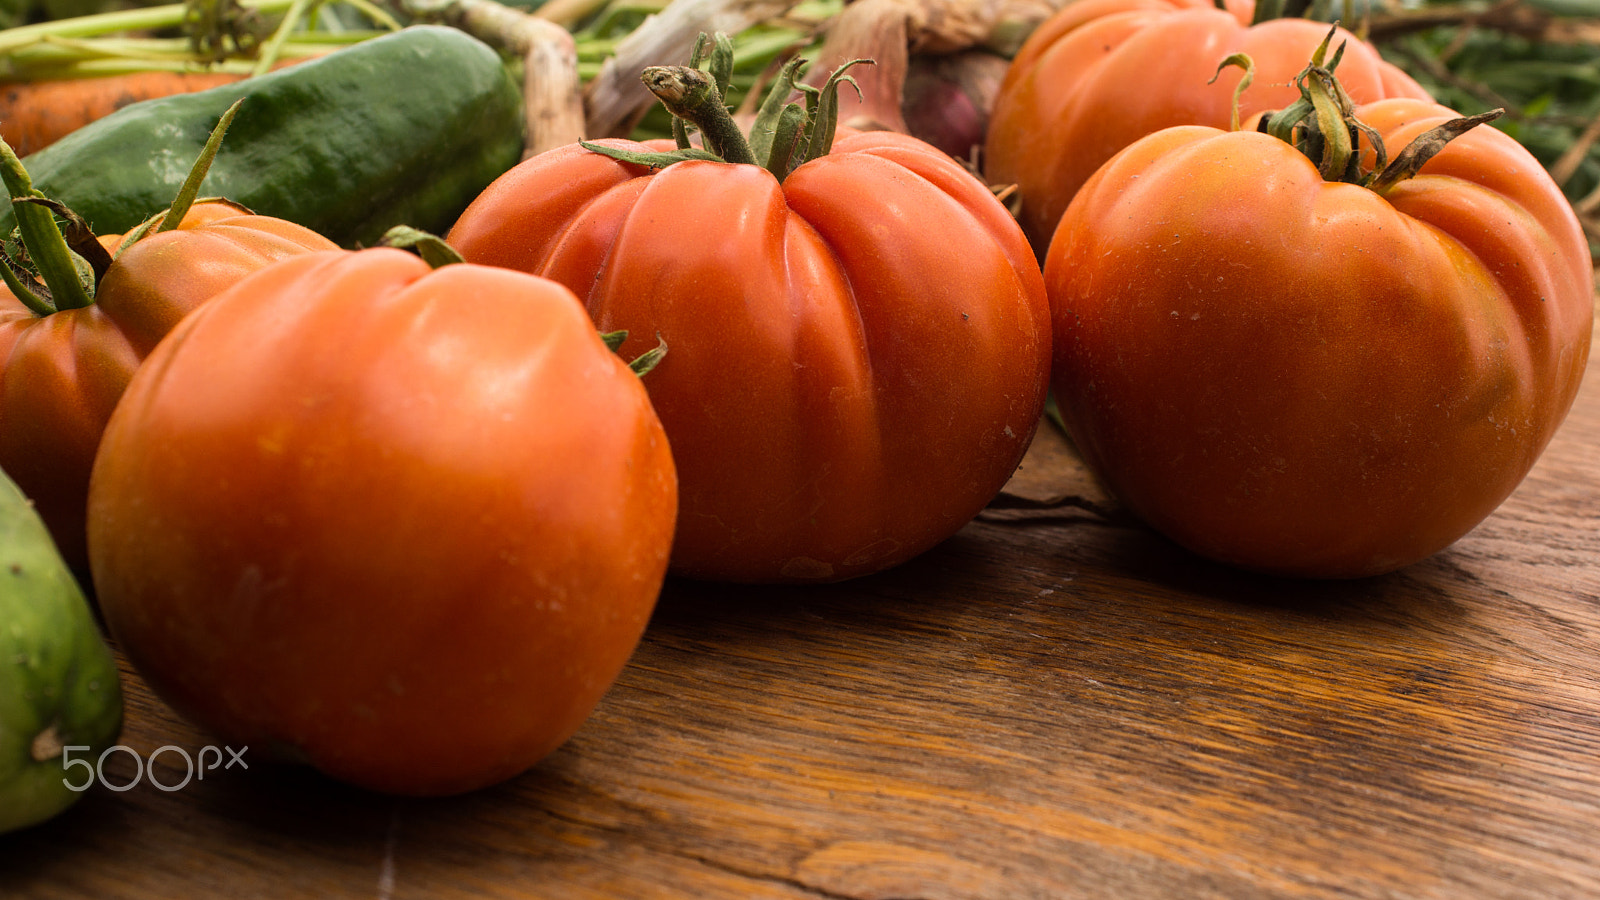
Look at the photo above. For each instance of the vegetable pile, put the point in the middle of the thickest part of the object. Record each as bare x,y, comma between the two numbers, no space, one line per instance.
372,385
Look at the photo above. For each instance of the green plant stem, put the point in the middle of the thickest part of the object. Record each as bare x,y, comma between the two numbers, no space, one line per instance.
298,9
58,59
24,294
277,44
197,173
43,239
376,13
167,16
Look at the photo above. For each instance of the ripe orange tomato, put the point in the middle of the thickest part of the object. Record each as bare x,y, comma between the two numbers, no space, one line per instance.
1100,74
64,372
1309,377
403,524
858,355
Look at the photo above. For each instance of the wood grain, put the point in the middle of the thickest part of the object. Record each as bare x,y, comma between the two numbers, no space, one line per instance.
1053,704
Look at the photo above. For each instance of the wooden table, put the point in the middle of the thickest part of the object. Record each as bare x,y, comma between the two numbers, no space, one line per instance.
1050,705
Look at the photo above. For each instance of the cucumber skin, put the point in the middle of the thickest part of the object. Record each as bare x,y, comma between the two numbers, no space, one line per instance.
402,129
54,669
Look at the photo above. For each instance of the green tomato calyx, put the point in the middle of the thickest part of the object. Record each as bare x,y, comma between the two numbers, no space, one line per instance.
786,133
644,362
1323,125
432,248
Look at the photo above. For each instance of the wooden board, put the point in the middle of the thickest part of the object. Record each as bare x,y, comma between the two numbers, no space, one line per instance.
1050,705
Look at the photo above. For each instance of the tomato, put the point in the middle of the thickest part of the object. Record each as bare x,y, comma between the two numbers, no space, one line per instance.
404,525
1310,377
64,372
1099,74
858,355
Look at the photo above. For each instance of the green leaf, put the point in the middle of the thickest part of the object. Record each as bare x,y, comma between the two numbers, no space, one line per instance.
786,141
825,117
644,362
774,106
721,66
655,160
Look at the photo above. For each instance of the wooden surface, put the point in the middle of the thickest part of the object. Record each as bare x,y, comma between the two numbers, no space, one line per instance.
1050,705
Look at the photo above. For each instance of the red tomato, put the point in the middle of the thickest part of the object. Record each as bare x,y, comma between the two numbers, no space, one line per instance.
1315,378
1100,74
857,357
406,525
64,372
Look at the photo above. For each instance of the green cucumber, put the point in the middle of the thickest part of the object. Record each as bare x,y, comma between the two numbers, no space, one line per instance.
60,696
402,129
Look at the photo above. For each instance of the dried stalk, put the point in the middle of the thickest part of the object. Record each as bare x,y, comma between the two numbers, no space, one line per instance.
1564,167
1588,210
552,89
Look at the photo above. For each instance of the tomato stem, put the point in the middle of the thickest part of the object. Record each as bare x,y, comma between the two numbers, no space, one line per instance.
785,134
1243,61
171,217
692,95
197,173
1323,125
68,281
40,306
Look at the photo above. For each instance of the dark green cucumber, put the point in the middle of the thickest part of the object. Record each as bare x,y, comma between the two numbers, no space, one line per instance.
403,129
60,697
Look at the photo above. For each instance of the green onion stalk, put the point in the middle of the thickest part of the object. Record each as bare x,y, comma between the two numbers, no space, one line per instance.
244,36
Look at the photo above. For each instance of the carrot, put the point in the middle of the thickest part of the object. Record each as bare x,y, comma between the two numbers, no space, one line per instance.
35,114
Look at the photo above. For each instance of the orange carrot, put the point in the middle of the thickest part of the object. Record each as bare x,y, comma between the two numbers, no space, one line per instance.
35,114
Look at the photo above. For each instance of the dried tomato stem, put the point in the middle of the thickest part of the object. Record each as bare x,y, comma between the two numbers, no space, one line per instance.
1426,147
